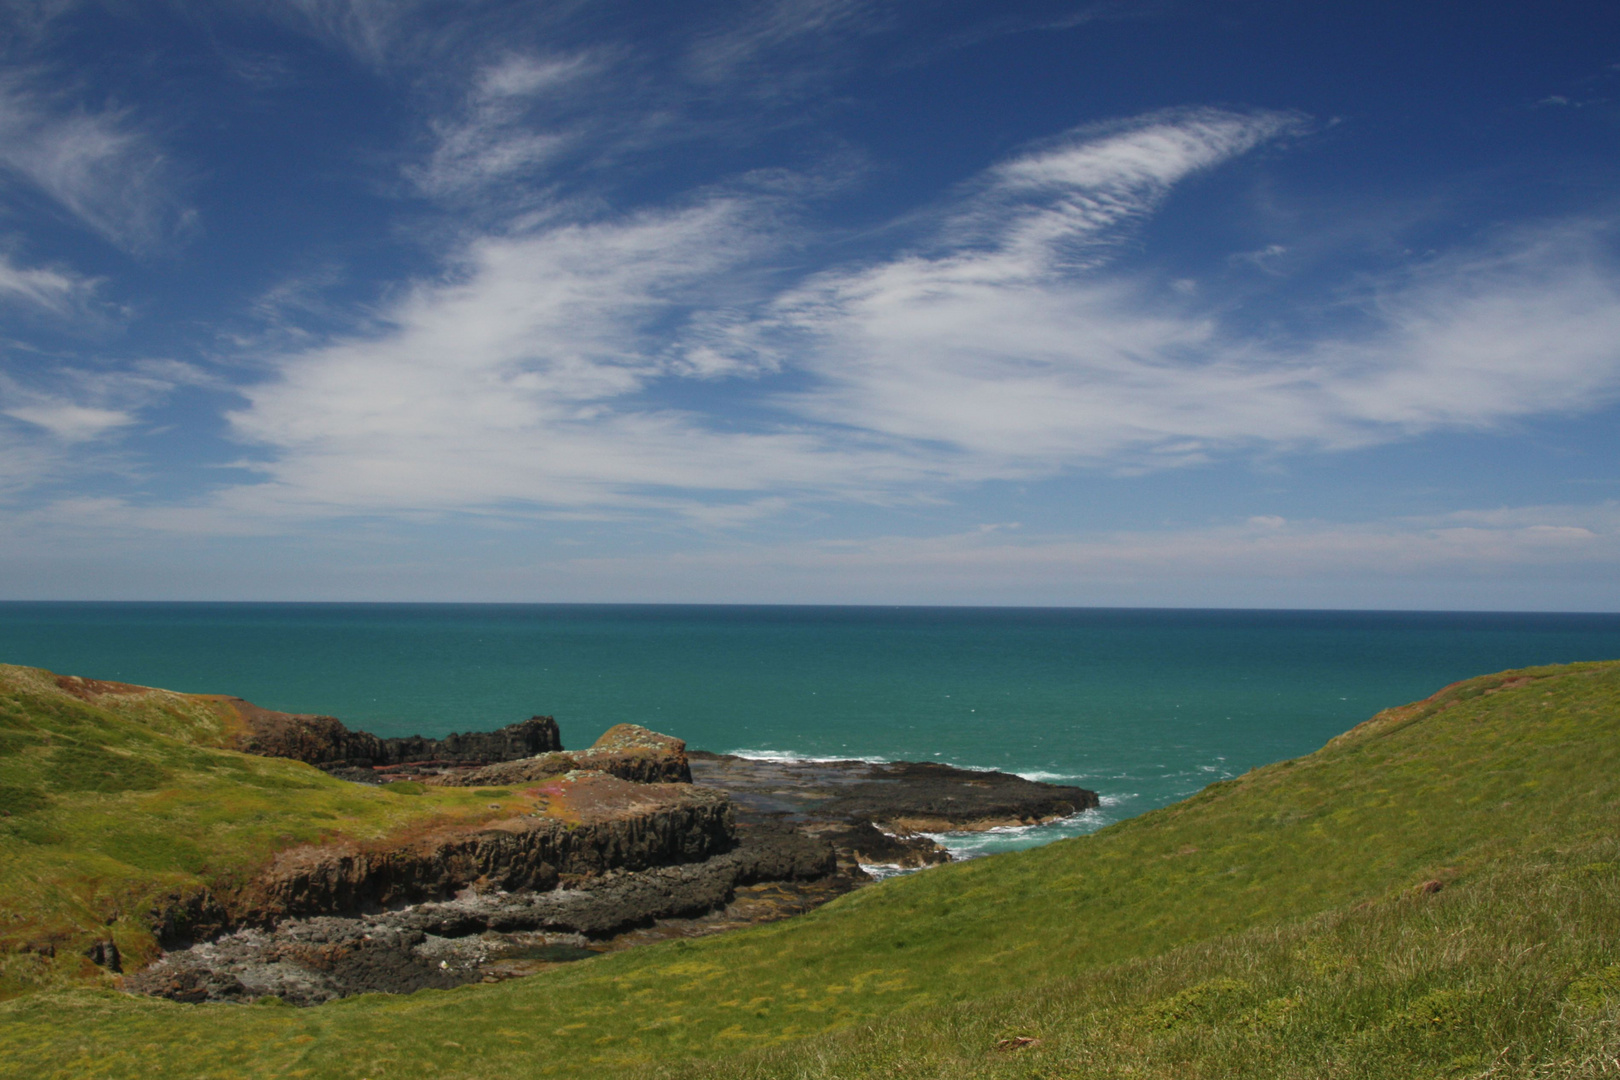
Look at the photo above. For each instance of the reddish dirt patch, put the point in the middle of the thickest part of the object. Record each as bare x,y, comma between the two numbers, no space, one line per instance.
90,689
594,797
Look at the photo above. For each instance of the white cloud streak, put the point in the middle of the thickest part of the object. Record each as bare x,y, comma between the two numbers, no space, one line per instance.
77,405
1050,208
28,21
67,421
753,45
489,141
1009,347
370,29
43,289
517,381
99,166
778,25
65,424
537,378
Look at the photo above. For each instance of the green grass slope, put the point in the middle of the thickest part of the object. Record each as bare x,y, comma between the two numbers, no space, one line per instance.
113,798
1273,925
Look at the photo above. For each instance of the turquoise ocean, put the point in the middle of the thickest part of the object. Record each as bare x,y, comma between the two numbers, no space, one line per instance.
1143,706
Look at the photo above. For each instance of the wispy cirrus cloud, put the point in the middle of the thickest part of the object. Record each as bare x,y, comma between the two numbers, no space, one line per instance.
754,45
492,138
67,420
514,95
62,424
27,22
1050,208
54,291
372,30
519,382
1011,346
99,166
82,404
535,376
1115,374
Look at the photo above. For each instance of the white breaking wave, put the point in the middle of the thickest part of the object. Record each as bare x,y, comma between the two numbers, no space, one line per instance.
792,756
971,845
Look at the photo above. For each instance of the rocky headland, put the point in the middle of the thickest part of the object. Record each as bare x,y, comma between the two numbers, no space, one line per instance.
631,840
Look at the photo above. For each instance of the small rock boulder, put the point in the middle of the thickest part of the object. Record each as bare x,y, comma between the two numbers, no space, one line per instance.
632,752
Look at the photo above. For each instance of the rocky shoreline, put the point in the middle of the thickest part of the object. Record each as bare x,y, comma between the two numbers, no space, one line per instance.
879,814
639,841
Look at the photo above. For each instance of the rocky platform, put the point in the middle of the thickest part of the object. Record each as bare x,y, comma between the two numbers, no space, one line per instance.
491,934
634,840
879,814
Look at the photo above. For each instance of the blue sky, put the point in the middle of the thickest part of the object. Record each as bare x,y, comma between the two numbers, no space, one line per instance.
1238,304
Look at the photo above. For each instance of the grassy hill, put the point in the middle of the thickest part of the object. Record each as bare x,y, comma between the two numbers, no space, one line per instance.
1435,893
114,798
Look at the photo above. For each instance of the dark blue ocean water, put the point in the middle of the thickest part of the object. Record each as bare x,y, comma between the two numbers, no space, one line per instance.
1144,706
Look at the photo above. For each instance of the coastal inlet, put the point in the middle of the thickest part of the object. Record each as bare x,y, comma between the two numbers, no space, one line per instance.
633,840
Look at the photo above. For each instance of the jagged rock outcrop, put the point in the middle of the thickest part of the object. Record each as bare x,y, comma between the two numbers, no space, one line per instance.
181,919
597,823
304,962
448,942
627,751
325,741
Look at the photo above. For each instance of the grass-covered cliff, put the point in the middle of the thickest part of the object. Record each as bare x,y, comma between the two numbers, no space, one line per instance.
1435,893
117,800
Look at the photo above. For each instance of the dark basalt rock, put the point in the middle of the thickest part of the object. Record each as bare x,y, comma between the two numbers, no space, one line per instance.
911,796
451,942
618,826
303,963
770,850
182,919
325,741
873,814
192,985
864,844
